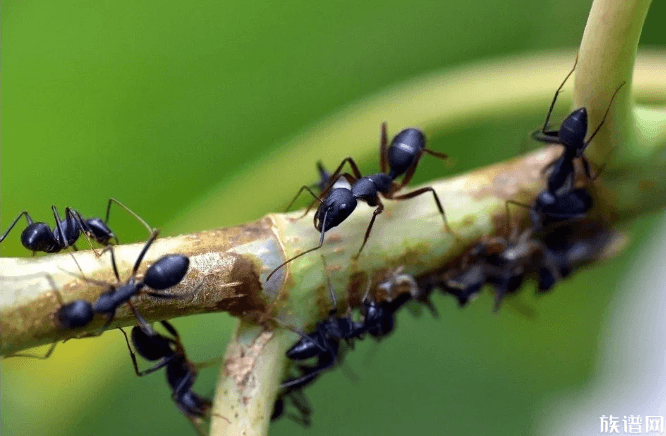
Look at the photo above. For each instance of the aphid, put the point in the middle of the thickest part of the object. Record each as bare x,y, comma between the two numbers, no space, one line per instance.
401,157
167,271
399,282
571,135
504,262
38,236
181,372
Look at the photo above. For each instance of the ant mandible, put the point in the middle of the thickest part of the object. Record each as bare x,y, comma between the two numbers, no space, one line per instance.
38,236
400,158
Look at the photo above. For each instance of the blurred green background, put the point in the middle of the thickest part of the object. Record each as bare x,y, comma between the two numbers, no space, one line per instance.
160,103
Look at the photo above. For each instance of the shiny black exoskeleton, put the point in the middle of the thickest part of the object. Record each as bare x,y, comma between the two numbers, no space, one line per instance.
323,344
400,158
167,271
38,236
181,373
379,318
549,208
571,135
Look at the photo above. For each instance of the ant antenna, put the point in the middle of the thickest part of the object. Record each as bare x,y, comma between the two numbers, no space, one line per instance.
603,120
552,104
321,242
331,291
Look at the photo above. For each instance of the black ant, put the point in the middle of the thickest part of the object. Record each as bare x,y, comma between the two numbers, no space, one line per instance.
571,135
38,236
401,157
323,343
72,315
181,373
167,271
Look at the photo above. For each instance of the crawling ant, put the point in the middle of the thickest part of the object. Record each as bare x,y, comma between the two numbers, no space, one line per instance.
38,236
181,372
323,343
400,158
67,316
167,271
571,135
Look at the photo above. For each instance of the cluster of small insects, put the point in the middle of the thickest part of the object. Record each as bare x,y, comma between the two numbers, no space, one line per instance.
556,242
165,273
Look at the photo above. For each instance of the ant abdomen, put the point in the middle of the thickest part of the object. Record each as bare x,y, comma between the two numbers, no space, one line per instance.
76,314
38,237
404,147
166,272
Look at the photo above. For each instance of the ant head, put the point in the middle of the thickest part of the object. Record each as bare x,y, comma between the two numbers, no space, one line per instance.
573,130
100,231
78,313
403,149
167,271
336,207
38,237
151,346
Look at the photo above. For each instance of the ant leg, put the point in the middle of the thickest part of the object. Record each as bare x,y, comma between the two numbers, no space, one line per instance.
33,356
437,154
603,120
150,370
301,403
63,239
331,182
83,227
129,211
376,212
314,372
139,259
331,292
113,262
552,104
383,150
321,242
300,191
324,177
336,173
422,191
171,329
27,217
